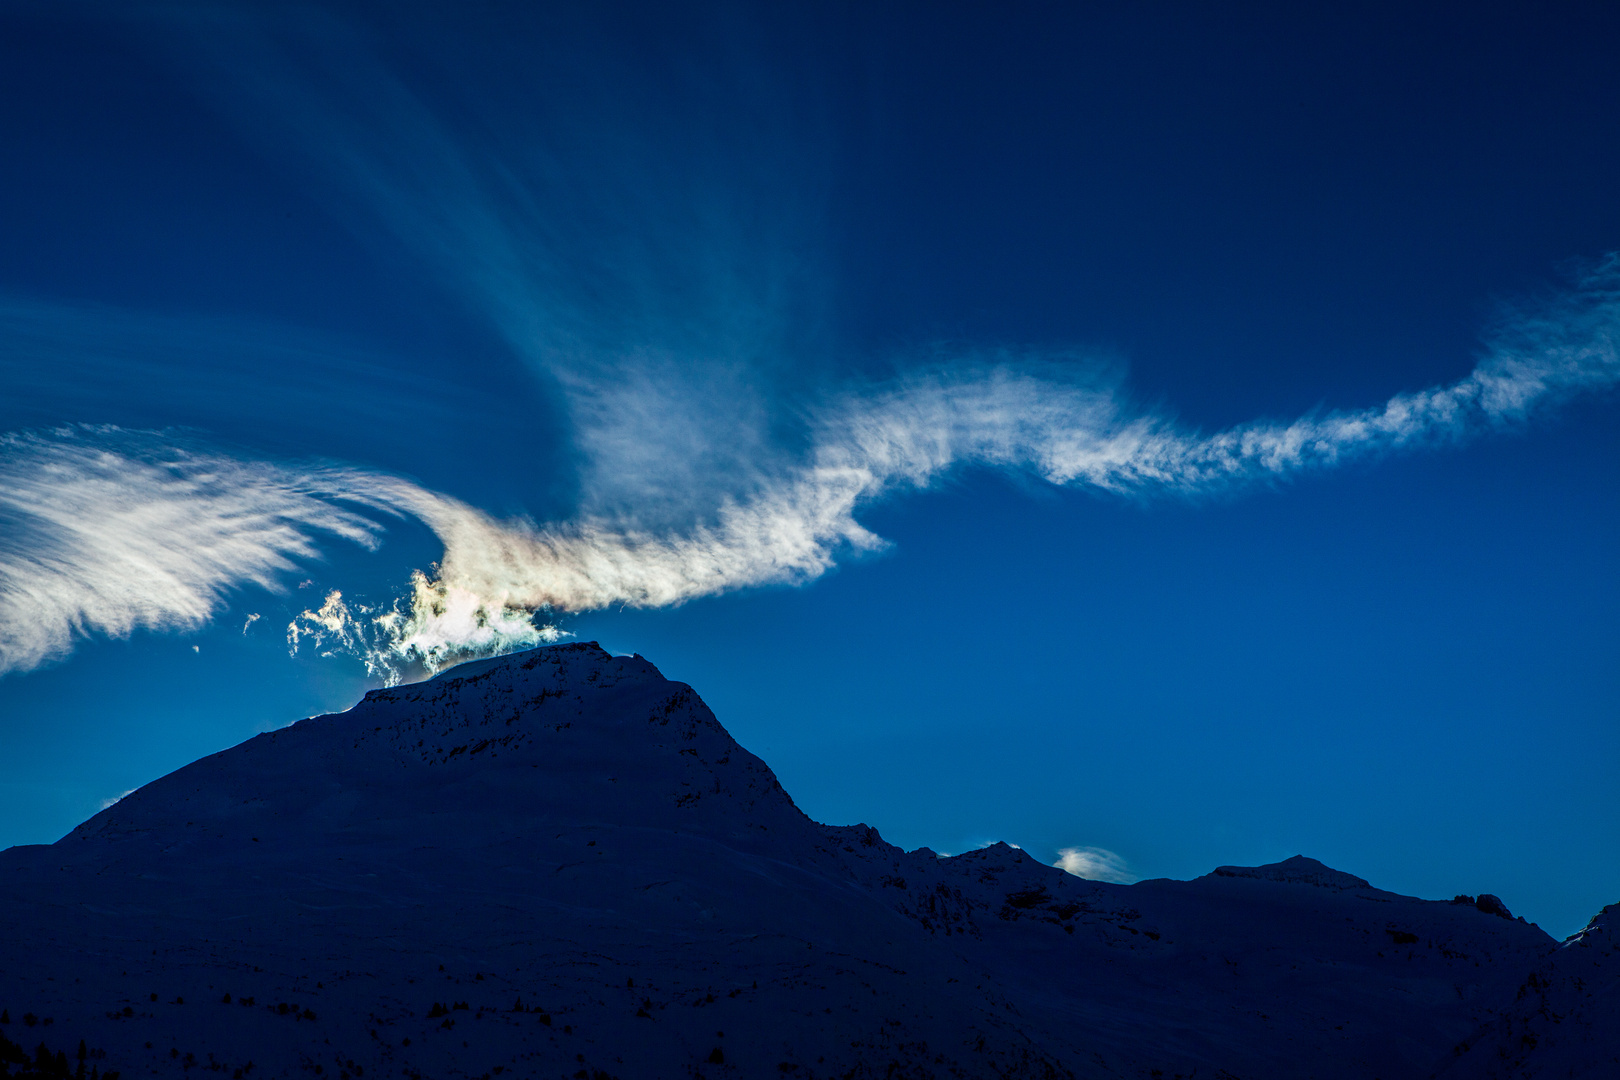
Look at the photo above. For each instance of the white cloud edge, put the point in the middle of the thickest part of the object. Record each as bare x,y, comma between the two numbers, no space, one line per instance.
1095,864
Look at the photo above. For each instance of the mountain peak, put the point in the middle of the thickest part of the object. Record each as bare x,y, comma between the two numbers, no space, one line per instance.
562,726
559,861
1298,870
586,654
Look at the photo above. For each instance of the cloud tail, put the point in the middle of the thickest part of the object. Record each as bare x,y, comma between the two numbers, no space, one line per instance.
792,526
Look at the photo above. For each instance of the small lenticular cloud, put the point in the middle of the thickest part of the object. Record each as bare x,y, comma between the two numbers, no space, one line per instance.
1095,864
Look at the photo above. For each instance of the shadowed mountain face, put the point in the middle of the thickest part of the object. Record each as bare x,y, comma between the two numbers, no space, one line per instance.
559,864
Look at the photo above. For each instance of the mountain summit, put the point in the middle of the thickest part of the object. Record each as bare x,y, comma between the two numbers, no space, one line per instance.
559,864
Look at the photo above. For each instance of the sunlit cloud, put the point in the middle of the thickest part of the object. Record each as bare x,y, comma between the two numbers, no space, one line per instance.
110,531
1095,864
713,447
107,532
792,527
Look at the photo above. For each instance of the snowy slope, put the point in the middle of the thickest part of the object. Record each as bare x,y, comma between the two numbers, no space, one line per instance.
1565,1016
572,848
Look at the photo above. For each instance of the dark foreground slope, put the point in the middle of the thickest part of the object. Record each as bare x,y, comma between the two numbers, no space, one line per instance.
1565,1016
559,864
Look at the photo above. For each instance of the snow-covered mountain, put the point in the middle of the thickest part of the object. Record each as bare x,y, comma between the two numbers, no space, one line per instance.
559,864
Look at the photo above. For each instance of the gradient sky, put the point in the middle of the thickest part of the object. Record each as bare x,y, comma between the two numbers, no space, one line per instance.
1189,434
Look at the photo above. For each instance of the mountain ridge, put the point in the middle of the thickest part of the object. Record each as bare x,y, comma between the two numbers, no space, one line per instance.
581,834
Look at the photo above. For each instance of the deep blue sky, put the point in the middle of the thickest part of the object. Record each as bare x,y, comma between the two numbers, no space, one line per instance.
1407,666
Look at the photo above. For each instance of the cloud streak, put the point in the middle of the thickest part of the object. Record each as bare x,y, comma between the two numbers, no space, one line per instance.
670,320
109,531
792,527
666,281
104,531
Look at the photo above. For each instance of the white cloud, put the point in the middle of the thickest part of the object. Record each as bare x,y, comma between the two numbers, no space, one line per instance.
1095,864
791,527
667,314
108,531
666,329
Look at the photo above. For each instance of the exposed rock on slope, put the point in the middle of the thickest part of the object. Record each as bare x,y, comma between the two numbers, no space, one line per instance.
1564,1019
560,864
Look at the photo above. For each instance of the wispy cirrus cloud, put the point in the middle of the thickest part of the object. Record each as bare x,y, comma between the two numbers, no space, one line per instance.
676,322
109,531
879,441
651,253
297,391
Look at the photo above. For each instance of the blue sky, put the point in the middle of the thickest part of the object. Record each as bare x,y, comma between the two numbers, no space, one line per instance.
1180,433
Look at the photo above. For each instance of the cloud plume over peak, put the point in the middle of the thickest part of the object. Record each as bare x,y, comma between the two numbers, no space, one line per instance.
676,324
109,531
791,525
